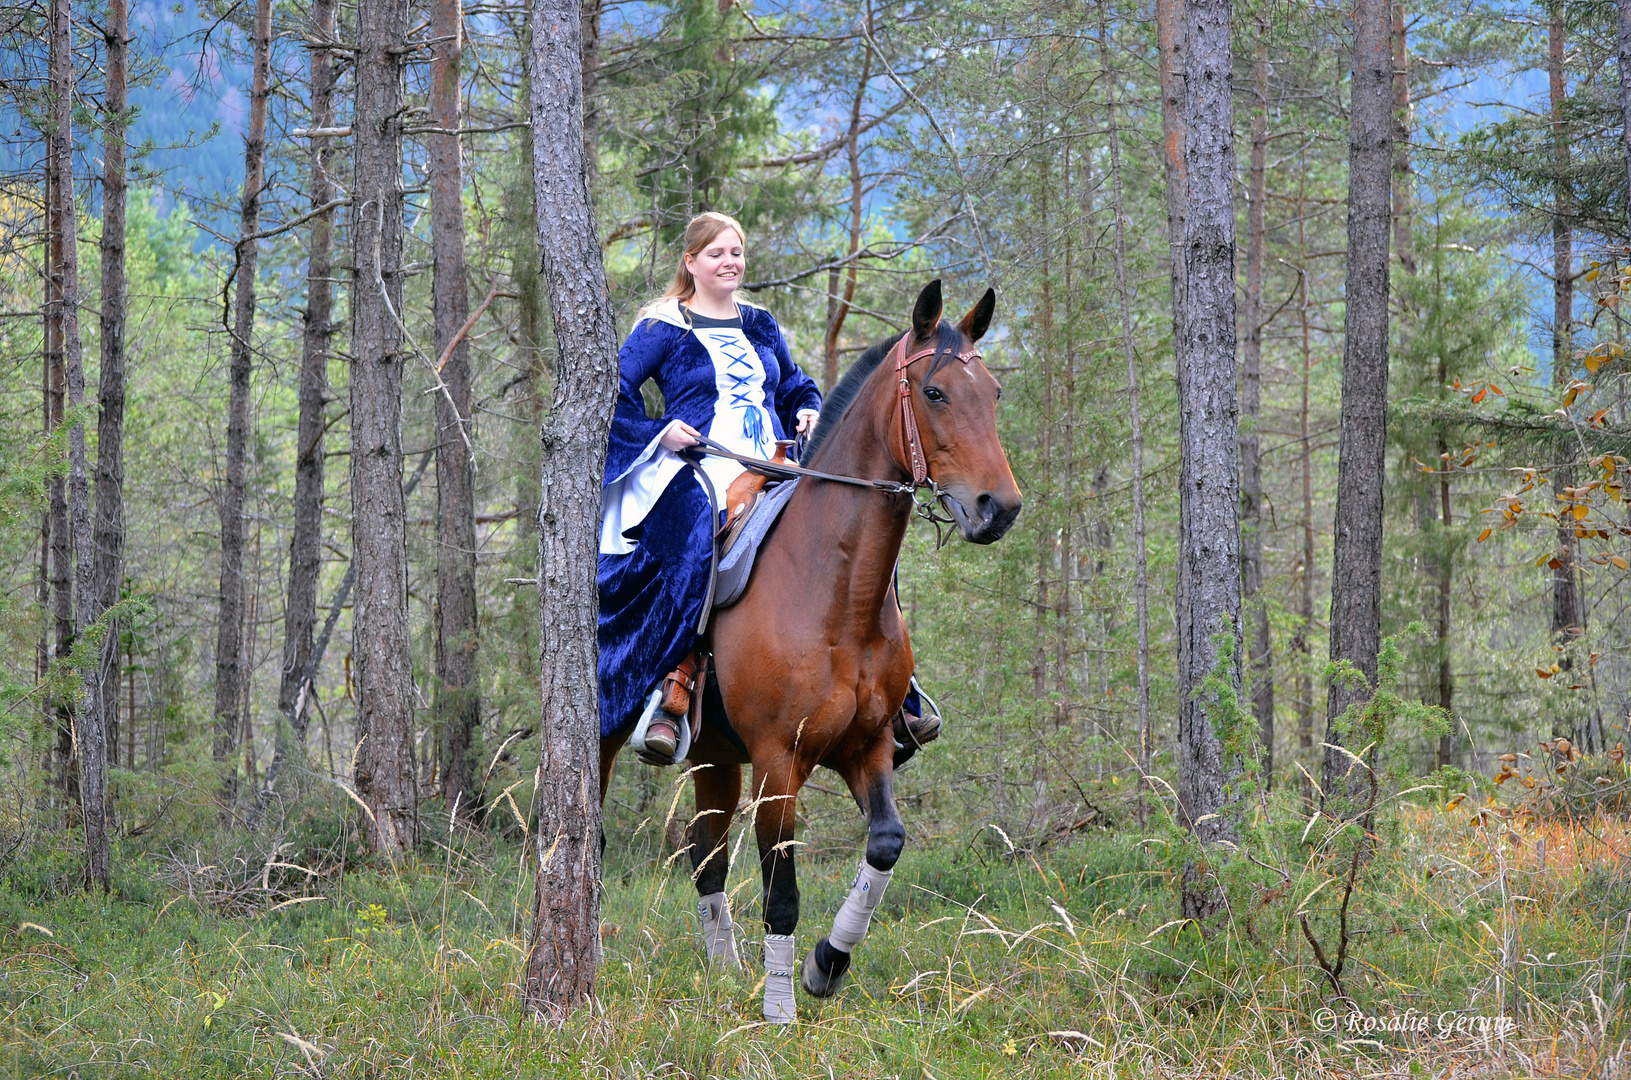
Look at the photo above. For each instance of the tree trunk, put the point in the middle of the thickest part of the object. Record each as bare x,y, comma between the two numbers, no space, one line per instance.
1141,565
838,310
56,384
305,544
386,774
1624,42
458,700
1260,655
89,738
1568,613
565,940
1209,527
229,635
1172,28
589,60
109,534
1356,561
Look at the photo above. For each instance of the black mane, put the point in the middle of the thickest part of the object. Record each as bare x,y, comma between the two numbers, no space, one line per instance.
948,339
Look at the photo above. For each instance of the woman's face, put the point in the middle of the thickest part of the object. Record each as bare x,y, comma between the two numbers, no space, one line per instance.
719,266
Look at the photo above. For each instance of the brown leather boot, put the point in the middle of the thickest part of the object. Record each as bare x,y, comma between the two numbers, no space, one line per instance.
662,736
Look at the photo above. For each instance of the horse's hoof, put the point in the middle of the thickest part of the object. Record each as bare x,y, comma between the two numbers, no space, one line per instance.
823,971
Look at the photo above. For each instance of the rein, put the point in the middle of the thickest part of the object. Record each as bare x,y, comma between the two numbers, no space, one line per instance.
913,445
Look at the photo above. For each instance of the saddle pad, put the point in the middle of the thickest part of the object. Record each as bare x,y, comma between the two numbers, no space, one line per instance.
736,564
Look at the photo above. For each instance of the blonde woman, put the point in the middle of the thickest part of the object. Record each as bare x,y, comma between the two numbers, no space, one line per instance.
725,371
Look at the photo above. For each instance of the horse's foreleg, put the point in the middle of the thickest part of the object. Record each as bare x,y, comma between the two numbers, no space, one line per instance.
872,784
775,791
718,788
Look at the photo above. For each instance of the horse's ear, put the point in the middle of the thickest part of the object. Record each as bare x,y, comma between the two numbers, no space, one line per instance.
926,314
978,319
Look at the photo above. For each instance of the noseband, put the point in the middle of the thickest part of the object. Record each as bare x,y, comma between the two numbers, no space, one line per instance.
915,459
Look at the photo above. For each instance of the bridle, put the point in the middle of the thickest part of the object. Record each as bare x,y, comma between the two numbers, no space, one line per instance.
915,459
916,462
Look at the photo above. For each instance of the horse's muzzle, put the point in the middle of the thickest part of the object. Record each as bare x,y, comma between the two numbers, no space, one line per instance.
991,518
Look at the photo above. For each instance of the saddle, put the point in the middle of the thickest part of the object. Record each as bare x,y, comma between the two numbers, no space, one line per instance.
753,503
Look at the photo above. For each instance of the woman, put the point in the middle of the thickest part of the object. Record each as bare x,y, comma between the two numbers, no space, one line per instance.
725,371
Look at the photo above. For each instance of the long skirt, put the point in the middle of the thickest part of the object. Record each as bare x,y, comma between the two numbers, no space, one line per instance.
651,601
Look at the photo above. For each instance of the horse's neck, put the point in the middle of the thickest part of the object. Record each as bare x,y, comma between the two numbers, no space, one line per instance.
857,532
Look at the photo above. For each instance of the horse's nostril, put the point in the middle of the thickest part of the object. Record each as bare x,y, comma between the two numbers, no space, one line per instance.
987,506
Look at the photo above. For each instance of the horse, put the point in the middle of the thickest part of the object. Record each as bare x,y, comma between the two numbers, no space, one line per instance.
814,662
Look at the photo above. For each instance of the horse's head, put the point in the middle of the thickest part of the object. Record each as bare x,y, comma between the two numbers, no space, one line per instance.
951,400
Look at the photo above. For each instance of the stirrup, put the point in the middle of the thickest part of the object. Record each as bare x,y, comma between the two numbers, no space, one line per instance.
637,741
924,729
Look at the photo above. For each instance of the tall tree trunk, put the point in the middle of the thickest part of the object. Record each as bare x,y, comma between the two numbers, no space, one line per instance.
1568,611
229,634
1624,48
1356,561
305,544
59,234
1172,28
386,773
89,738
1141,563
1300,645
1260,654
589,60
839,308
109,534
565,941
458,701
1209,497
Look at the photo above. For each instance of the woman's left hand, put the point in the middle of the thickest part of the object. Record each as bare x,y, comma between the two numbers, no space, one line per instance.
807,423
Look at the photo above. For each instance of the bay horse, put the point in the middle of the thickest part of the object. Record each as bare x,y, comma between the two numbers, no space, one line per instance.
813,663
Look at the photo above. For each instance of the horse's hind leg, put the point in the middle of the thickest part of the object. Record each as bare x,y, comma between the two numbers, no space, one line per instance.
775,792
872,784
718,787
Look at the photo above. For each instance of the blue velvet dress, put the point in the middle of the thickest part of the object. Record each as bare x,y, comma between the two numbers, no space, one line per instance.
656,521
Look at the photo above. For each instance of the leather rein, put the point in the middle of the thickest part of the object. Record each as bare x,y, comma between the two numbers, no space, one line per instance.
916,461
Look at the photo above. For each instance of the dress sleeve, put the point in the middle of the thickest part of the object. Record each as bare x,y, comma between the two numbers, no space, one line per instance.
796,392
634,434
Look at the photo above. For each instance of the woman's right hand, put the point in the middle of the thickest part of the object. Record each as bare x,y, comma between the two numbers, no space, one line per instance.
678,436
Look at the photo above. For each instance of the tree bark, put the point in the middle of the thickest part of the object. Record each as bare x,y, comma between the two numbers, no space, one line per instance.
305,548
89,738
1172,29
1209,526
1568,614
109,531
565,940
1624,49
458,701
305,543
1261,652
589,54
1300,645
56,388
1356,562
229,634
1141,564
838,310
386,773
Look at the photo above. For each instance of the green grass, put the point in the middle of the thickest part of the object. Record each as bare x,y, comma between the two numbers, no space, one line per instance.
983,962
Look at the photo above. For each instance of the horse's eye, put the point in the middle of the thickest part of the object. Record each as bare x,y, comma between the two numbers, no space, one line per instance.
933,393
999,393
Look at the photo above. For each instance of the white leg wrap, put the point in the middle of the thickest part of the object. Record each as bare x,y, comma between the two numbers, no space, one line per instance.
850,925
779,1005
718,933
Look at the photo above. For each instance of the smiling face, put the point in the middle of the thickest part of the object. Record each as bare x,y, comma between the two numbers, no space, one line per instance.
718,268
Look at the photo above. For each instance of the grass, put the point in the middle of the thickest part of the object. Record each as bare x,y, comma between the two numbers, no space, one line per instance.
984,961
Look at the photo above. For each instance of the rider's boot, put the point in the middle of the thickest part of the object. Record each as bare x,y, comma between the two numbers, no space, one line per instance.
663,733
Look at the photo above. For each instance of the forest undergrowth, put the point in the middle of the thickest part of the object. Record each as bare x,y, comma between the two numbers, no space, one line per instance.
1481,945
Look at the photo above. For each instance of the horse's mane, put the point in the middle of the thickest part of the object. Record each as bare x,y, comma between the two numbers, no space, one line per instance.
947,340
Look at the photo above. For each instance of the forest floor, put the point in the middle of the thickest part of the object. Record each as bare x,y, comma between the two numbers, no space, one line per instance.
984,961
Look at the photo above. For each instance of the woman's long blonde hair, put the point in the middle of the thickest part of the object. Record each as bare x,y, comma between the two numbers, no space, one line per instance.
699,233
